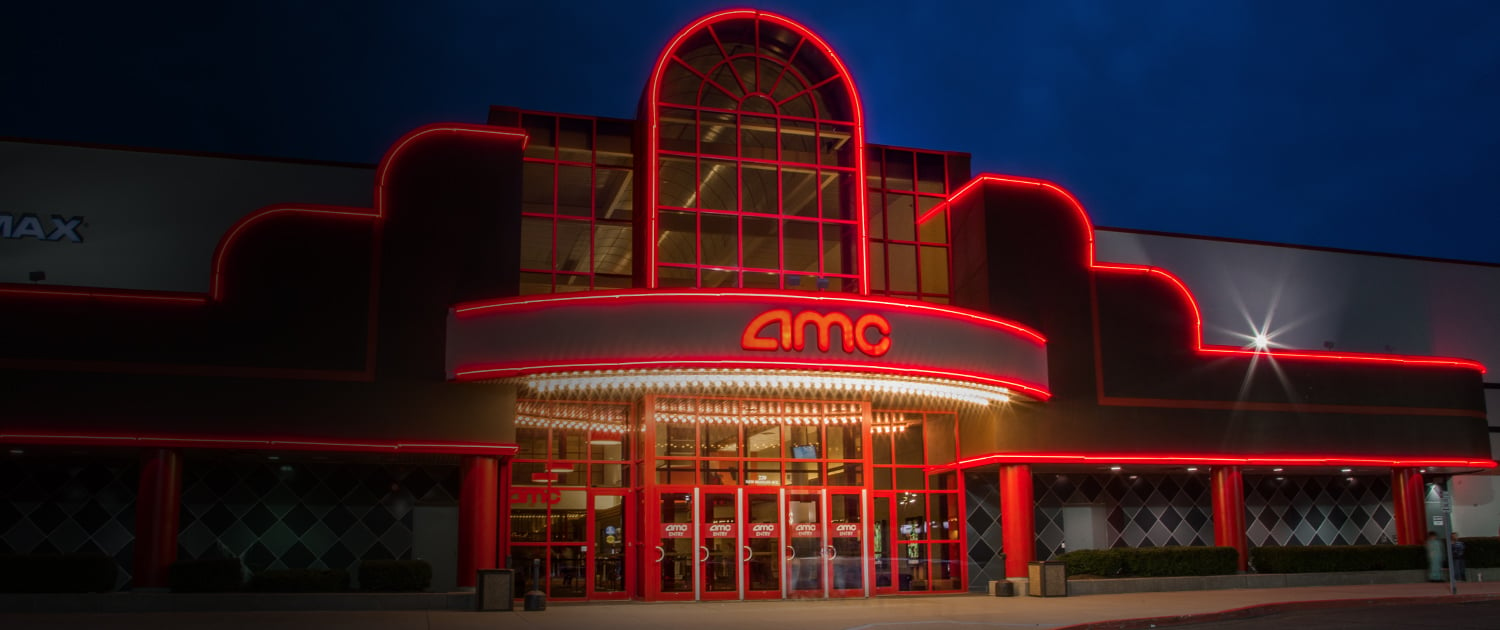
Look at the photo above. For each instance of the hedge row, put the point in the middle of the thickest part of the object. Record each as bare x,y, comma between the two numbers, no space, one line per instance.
1482,552
1343,558
1152,561
221,575
69,573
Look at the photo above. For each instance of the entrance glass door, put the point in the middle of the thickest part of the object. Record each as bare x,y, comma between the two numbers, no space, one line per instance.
675,554
805,545
847,532
765,543
719,548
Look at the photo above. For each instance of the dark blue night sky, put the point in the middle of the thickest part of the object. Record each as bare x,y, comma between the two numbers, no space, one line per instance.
1355,124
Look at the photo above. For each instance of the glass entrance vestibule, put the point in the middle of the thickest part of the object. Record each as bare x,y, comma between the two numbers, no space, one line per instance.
708,498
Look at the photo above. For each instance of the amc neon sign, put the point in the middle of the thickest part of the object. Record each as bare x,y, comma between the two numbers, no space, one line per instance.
854,333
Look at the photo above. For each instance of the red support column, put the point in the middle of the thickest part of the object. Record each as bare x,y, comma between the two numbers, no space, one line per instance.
1229,511
1017,518
1409,496
478,492
157,505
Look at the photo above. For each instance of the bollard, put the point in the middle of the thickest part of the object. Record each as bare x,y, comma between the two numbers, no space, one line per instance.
535,598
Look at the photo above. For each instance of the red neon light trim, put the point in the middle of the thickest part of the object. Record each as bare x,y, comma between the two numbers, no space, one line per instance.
1219,459
654,105
483,372
625,296
292,444
1201,348
90,293
221,252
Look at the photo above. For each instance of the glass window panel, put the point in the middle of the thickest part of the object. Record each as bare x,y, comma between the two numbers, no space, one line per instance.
675,439
680,85
934,269
877,266
762,247
532,443
719,472
766,71
675,131
903,267
569,517
678,240
946,564
612,248
908,444
676,277
720,182
528,474
575,139
757,135
614,143
718,133
758,473
758,189
874,167
700,51
799,192
798,141
608,446
753,280
613,196
676,472
836,257
838,195
901,217
942,481
536,188
880,443
942,516
721,440
845,441
528,522
541,135
720,239
835,145
882,478
935,228
613,282
571,283
801,241
609,543
804,441
875,202
574,239
930,173
575,191
744,67
536,283
719,279
569,444
845,474
678,182
910,479
898,170
911,512
803,474
724,77
536,243
763,441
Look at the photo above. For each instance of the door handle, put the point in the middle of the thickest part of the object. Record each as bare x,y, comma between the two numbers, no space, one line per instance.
748,553
663,553
705,554
794,553
832,553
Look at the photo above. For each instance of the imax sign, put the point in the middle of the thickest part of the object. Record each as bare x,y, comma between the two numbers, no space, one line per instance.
29,226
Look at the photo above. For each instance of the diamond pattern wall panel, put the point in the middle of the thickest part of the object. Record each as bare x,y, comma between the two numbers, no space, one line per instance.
294,516
63,506
982,527
1141,510
1306,511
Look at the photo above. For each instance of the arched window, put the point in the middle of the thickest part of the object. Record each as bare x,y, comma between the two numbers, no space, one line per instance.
755,160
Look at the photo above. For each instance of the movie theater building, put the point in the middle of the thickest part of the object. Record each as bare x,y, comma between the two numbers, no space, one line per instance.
725,350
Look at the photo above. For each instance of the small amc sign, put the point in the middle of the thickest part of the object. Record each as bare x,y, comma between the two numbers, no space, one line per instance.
765,530
807,530
846,530
675,530
718,530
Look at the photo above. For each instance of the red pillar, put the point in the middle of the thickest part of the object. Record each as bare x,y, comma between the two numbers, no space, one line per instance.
157,505
1017,519
1229,511
478,491
1408,495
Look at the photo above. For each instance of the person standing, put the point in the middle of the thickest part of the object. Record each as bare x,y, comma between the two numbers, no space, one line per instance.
1458,557
1434,557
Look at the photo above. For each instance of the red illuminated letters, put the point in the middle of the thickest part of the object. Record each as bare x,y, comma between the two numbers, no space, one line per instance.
793,328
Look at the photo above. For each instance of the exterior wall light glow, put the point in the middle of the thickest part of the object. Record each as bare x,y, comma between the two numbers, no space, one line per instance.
838,384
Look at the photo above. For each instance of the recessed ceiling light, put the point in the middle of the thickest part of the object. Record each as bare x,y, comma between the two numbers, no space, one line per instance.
1114,467
1192,469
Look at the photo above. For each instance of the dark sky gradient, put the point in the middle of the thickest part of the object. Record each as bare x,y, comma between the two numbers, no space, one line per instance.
1355,124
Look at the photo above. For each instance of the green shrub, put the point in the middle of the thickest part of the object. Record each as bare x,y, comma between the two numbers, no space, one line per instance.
1482,552
394,575
69,573
300,581
211,575
1152,561
1326,559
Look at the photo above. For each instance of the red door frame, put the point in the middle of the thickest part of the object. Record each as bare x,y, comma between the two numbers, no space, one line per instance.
707,533
628,551
654,536
776,534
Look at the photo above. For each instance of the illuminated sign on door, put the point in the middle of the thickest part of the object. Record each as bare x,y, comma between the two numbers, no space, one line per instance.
718,530
846,530
854,333
675,530
765,530
548,496
807,530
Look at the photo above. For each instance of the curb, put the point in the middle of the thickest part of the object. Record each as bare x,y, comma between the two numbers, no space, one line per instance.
1263,610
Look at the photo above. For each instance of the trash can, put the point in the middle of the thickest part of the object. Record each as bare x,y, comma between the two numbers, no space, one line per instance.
1047,579
495,589
1002,588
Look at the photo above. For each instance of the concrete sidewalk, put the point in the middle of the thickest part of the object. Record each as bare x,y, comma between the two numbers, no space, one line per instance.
886,613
